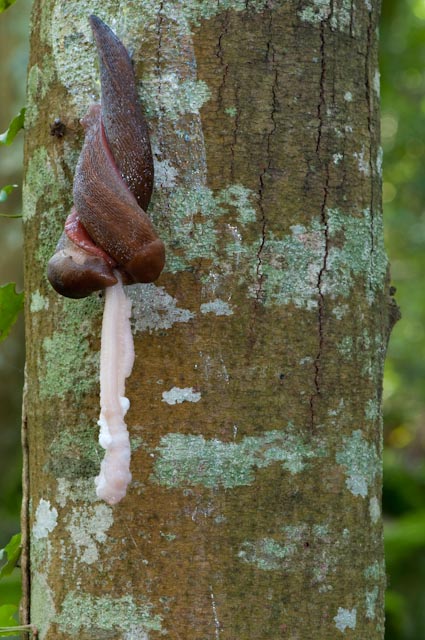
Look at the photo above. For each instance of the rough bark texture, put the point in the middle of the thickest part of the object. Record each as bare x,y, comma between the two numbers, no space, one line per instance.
256,395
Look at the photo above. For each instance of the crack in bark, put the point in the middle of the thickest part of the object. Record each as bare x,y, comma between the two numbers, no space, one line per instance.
324,220
235,134
352,19
369,102
321,102
270,55
321,303
159,34
220,56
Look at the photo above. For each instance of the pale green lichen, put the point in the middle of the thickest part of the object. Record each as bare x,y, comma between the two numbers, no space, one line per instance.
68,363
362,252
345,619
185,460
375,571
204,222
372,409
165,174
374,510
87,529
338,410
85,612
362,161
345,347
267,554
70,367
75,454
39,174
374,348
377,82
45,520
217,307
40,77
42,604
31,112
154,309
340,311
136,442
286,551
379,160
321,531
241,199
291,265
177,395
73,51
370,350
231,111
169,537
338,13
193,239
371,598
38,302
40,554
169,97
361,462
75,490
340,18
315,12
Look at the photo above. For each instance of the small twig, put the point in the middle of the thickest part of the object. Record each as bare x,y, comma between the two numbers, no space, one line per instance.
22,627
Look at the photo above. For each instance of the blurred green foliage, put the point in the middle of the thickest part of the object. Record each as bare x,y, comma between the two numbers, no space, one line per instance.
5,4
14,29
11,305
14,56
16,125
403,139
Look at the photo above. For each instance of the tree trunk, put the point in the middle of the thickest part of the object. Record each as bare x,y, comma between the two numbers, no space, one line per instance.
255,417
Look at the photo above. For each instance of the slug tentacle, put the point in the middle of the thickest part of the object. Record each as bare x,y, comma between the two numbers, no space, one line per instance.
108,227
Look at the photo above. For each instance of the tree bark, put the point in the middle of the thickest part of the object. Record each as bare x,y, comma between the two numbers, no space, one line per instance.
255,413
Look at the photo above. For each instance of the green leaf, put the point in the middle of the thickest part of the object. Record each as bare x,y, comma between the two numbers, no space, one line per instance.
404,537
10,215
11,304
7,621
5,4
7,190
16,125
12,551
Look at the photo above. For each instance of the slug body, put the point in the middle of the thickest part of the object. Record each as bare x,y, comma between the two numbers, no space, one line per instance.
108,230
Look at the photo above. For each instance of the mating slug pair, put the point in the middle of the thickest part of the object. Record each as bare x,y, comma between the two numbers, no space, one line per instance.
108,229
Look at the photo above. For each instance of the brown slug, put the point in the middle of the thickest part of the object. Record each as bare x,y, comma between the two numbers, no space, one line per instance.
108,229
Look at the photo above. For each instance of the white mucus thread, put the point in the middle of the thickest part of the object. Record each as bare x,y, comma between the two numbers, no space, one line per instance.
116,363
